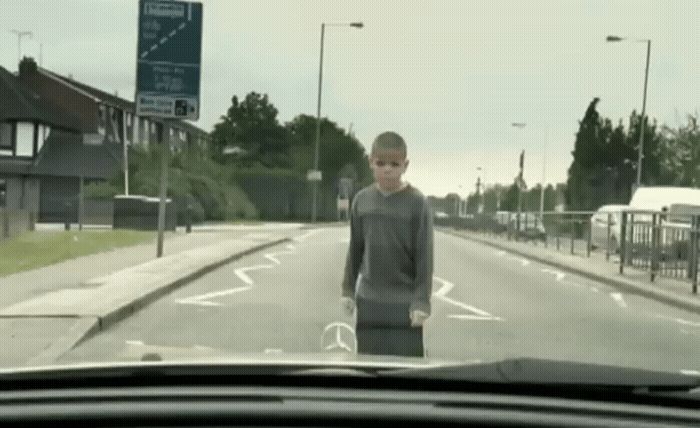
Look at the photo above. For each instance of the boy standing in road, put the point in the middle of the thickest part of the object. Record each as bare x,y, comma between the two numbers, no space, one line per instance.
389,269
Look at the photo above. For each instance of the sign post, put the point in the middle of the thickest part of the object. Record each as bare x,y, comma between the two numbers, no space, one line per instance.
169,56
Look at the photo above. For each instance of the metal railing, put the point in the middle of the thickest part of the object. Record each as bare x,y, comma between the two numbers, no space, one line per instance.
652,241
661,245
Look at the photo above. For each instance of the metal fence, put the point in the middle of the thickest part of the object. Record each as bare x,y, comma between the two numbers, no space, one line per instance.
661,244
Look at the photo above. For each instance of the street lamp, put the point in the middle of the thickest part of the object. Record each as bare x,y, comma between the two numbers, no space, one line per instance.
519,125
19,35
481,184
644,104
318,109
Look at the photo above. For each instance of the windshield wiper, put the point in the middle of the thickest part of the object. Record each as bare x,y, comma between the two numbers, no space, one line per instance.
531,371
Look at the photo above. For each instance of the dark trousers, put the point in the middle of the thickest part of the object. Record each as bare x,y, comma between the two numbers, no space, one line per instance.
385,329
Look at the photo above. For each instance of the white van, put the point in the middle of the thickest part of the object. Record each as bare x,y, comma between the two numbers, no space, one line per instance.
679,203
662,197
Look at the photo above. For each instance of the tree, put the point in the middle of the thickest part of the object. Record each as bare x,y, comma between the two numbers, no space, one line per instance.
679,154
509,200
605,160
587,148
340,153
473,201
651,169
251,126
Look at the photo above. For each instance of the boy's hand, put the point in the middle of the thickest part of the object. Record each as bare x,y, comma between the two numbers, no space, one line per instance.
418,318
348,305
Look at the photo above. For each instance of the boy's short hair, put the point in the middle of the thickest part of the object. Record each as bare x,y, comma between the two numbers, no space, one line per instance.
389,141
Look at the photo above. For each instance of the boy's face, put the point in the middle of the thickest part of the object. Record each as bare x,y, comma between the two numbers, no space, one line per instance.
388,166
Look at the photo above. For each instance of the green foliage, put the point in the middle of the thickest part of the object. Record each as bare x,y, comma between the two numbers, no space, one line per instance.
680,154
605,160
251,125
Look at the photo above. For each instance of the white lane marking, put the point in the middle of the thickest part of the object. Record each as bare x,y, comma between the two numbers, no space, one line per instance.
134,342
154,47
189,11
181,26
447,286
678,320
595,289
690,372
202,348
500,253
204,299
472,317
617,297
271,256
172,33
274,351
559,275
241,272
163,40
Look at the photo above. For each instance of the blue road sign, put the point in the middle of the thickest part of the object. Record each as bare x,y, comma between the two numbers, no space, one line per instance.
168,60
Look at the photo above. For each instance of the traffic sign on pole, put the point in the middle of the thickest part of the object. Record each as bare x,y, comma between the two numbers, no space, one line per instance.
168,60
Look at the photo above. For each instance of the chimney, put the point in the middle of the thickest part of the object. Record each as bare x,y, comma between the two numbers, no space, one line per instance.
27,66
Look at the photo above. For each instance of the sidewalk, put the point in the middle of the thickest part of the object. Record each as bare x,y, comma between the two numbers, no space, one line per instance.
76,272
667,290
46,312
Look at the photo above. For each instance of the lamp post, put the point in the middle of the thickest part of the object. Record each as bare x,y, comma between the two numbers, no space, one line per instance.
318,110
644,104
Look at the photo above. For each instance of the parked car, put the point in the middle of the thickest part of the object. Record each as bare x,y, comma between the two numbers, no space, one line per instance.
611,214
531,227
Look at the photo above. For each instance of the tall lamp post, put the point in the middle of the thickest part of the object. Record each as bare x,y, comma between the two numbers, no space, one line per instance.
315,178
644,104
520,185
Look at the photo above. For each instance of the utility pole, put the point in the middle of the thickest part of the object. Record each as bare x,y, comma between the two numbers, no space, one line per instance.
520,193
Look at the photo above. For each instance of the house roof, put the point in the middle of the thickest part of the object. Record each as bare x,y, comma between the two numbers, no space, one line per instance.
19,103
93,92
111,99
65,155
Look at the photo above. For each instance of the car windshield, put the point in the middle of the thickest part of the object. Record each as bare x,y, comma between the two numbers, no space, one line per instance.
407,182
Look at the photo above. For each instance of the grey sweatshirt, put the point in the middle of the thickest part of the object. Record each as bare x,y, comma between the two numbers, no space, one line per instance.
390,258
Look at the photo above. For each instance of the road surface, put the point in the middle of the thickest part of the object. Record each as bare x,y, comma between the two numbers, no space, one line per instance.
487,305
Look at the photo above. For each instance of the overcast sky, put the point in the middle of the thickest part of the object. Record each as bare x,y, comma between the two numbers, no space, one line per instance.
449,76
